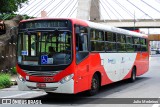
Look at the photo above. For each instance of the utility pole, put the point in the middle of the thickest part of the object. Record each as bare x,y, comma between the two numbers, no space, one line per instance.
134,20
95,10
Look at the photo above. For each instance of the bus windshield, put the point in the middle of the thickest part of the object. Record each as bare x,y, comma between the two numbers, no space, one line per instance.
44,48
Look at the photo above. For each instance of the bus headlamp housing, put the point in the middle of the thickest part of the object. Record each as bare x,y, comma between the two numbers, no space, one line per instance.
21,78
67,78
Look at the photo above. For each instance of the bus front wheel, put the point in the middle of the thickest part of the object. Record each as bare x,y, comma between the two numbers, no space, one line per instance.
95,84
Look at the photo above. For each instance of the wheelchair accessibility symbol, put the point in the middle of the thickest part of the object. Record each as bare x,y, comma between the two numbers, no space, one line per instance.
44,59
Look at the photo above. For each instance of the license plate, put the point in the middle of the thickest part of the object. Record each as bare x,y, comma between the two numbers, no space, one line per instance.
41,85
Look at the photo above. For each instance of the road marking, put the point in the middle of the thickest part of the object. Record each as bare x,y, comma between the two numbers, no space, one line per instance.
13,96
156,105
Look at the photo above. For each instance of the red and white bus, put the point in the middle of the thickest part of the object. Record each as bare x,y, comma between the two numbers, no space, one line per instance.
65,55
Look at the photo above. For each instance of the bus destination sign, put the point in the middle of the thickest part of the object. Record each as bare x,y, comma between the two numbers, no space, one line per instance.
43,24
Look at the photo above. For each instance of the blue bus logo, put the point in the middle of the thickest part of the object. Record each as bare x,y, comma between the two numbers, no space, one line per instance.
44,59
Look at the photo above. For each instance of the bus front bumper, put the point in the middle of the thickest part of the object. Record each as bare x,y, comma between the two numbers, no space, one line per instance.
58,87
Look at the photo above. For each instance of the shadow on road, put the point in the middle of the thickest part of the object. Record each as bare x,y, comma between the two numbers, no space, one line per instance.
120,86
82,98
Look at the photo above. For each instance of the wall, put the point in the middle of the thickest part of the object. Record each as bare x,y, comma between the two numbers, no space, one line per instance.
8,45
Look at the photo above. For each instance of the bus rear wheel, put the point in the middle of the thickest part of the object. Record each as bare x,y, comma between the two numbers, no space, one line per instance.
133,75
95,84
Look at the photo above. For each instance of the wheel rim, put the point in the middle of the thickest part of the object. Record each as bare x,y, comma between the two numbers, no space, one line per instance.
94,84
134,75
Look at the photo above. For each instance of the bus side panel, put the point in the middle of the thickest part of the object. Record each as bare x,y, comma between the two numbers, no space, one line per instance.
81,76
96,63
138,63
97,66
146,59
85,71
144,63
118,65
141,63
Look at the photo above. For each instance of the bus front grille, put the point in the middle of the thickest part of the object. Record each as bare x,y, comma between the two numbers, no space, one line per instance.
41,73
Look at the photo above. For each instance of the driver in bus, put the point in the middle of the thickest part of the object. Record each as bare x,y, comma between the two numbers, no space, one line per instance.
51,51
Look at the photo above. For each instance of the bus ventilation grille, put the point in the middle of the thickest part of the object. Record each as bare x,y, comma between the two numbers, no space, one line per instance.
41,73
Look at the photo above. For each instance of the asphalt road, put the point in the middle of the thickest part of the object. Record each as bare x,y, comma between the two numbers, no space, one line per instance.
146,86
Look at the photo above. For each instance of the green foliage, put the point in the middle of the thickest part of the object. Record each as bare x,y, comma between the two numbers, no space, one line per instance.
27,17
5,80
10,6
11,16
13,71
7,16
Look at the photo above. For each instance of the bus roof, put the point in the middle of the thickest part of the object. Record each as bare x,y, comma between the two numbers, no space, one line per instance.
95,26
114,29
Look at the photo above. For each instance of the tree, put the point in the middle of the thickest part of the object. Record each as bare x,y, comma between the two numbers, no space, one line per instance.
10,6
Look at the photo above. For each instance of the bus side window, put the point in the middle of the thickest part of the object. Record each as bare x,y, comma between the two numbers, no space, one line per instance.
97,40
92,40
137,45
143,44
92,46
81,44
114,37
110,39
129,43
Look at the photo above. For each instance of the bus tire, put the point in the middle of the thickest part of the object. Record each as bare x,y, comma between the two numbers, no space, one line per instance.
133,75
50,93
95,85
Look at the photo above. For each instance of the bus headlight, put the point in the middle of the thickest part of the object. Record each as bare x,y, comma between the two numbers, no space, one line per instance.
67,78
21,78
